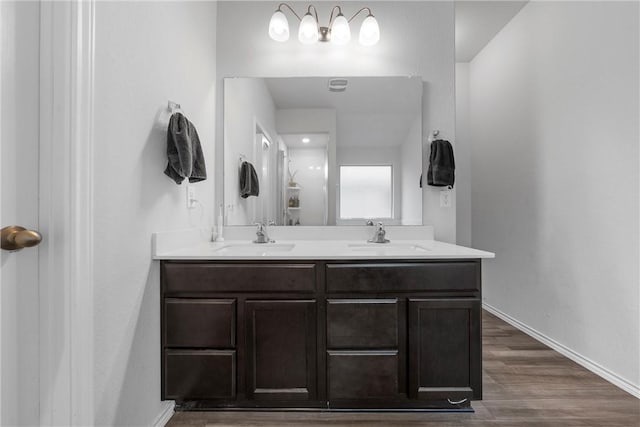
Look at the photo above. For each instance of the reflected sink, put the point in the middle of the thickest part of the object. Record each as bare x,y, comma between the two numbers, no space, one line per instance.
254,248
386,247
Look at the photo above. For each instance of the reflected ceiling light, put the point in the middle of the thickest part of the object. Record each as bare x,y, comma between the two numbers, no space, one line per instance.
305,140
337,32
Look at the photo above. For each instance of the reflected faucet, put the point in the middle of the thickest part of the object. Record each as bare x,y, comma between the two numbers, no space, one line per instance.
261,234
379,235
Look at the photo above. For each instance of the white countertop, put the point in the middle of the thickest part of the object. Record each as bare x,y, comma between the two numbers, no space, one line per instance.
323,250
310,243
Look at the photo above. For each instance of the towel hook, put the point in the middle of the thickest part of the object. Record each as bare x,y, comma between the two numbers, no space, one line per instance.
173,106
434,135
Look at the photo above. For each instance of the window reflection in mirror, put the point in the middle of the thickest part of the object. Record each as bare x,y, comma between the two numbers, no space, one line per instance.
366,192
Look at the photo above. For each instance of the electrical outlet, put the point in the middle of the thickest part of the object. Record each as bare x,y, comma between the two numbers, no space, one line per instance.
445,198
191,197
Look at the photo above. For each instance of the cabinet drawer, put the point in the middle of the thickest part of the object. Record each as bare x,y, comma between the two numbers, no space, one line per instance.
199,374
197,323
362,323
363,374
218,277
403,277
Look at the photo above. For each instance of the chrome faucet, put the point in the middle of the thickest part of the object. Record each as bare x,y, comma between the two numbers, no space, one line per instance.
379,235
261,234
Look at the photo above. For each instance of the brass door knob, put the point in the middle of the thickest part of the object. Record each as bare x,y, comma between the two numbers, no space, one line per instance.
14,238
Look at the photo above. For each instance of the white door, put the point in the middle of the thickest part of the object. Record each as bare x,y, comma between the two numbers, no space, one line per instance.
19,148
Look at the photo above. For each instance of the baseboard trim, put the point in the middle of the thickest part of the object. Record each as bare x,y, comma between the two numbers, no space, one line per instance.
585,362
167,412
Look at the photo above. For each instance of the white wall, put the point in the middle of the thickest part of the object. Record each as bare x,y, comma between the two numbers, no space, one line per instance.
250,104
554,118
417,38
145,55
463,156
411,206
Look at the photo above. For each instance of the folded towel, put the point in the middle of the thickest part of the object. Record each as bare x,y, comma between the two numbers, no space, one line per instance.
441,171
249,185
184,153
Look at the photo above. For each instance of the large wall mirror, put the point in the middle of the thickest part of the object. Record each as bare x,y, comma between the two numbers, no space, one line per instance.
323,151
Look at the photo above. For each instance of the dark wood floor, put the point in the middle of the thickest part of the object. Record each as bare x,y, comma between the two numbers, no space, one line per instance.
525,384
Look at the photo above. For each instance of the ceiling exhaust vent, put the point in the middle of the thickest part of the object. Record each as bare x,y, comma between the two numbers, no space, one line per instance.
338,85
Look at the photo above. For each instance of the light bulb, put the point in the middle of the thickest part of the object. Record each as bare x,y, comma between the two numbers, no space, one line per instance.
369,31
308,32
279,27
340,31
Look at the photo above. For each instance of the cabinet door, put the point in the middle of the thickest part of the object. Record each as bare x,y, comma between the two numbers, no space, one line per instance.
445,349
281,349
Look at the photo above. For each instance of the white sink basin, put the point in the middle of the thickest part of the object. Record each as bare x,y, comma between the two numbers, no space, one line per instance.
386,247
255,248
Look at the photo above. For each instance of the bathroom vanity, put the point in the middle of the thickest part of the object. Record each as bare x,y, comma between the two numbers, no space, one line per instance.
353,328
321,319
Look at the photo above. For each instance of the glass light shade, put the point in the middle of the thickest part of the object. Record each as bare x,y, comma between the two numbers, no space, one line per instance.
369,31
340,31
308,32
279,27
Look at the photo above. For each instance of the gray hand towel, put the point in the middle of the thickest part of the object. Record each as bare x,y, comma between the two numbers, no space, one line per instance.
441,171
249,185
184,153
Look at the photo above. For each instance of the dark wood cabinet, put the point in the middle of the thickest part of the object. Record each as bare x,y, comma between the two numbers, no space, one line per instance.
199,323
366,350
281,349
448,276
363,375
321,334
199,374
445,354
363,323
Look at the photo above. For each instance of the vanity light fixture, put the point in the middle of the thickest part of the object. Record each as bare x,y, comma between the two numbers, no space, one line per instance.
337,31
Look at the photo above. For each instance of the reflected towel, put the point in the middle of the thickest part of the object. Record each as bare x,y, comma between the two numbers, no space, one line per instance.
249,185
441,171
184,153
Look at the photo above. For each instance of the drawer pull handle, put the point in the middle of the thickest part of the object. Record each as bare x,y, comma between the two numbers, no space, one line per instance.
457,402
